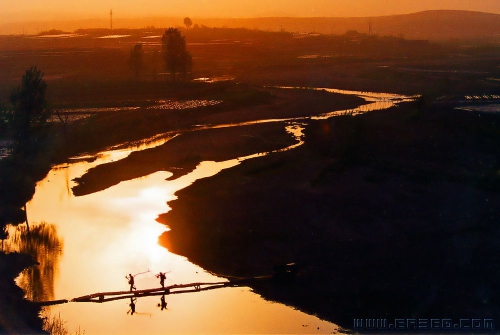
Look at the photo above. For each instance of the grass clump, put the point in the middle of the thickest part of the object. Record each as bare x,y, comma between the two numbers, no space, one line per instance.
55,325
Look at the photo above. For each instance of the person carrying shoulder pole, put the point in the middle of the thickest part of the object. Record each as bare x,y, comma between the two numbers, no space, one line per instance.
162,276
131,282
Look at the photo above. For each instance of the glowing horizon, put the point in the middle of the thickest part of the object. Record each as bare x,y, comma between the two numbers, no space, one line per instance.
57,9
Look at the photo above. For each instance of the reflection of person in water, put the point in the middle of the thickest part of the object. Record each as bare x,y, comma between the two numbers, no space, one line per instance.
162,276
163,303
132,306
131,282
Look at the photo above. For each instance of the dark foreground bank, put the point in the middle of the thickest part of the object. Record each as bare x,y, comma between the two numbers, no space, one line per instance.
17,315
391,214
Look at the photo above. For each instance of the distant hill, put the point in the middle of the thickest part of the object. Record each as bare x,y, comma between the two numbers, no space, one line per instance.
432,25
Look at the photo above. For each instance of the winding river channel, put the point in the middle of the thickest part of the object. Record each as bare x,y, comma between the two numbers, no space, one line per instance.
89,244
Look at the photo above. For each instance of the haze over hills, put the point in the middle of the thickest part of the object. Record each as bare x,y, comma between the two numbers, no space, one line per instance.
432,25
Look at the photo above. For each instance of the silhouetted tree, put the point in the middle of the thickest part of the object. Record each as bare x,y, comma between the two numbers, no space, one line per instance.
177,58
29,115
188,22
135,61
5,121
63,116
26,122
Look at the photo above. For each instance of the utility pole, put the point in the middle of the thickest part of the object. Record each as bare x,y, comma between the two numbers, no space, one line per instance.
111,19
370,27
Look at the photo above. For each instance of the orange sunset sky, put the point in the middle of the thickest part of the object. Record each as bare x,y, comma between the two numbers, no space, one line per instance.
63,9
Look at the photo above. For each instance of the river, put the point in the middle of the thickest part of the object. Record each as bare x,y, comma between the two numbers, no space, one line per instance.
97,239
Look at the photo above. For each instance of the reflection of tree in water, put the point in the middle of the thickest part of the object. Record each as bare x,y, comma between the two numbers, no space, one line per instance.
41,242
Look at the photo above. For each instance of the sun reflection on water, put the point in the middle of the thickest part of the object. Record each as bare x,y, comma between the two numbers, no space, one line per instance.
112,233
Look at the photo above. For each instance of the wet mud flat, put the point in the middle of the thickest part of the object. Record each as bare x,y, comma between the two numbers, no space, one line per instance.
183,153
210,133
391,214
239,105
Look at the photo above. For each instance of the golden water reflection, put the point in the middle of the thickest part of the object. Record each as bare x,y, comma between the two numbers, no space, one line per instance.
112,233
43,244
376,102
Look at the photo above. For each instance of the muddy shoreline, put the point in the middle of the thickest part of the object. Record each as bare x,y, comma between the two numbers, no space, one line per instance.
389,214
394,223
401,224
387,204
242,104
189,146
17,315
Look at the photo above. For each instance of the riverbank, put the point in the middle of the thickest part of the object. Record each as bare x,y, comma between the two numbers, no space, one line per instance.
390,214
197,142
239,104
17,315
379,199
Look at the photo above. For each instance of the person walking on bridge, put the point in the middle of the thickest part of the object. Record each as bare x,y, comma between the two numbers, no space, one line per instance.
131,282
162,276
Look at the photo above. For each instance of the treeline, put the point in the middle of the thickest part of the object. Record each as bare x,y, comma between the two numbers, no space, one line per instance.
177,60
26,122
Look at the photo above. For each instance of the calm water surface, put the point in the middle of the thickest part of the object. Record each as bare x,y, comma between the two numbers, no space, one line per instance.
106,235
98,239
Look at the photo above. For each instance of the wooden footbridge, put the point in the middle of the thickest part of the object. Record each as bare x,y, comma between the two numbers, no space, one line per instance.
172,289
282,274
